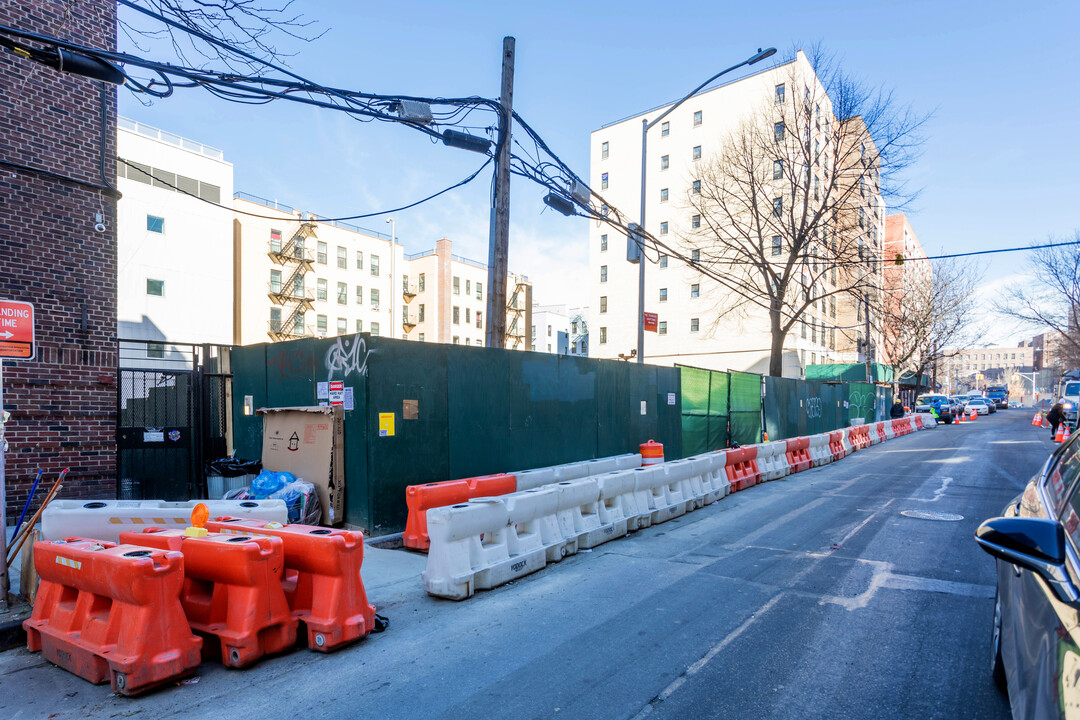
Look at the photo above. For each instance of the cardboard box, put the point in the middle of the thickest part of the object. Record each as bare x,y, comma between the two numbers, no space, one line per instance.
309,442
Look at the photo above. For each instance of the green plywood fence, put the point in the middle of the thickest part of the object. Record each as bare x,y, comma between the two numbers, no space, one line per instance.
458,411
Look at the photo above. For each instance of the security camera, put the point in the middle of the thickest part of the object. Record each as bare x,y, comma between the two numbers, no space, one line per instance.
99,225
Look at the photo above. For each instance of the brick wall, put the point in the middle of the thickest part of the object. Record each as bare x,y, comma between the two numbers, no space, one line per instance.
63,403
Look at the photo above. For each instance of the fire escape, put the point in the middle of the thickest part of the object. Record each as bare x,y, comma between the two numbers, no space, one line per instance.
291,294
407,294
515,316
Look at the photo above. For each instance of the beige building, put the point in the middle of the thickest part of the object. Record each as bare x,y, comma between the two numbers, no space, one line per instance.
900,280
299,276
693,324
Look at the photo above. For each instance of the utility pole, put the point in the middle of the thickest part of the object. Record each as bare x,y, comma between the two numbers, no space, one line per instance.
499,236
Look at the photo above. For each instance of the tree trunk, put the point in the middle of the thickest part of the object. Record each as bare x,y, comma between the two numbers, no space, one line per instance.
776,350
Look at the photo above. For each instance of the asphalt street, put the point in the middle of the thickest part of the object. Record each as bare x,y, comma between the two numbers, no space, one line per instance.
828,594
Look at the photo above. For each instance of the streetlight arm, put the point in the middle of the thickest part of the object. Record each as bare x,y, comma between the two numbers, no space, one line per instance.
760,55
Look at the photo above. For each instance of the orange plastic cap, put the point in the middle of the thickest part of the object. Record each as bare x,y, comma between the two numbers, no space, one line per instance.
199,515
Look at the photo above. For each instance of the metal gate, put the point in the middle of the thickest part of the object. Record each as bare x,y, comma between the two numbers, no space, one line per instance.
172,417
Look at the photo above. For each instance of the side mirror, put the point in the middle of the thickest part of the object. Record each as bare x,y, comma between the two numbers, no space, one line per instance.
1032,543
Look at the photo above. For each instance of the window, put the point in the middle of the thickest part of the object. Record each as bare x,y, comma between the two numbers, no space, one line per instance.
479,323
374,328
298,323
603,273
777,245
695,221
663,195
695,256
405,283
375,265
603,243
694,324
604,151
778,132
342,293
155,287
420,281
697,118
777,207
275,281
663,228
359,326
695,290
832,306
468,317
696,153
298,286
321,253
665,130
468,287
275,240
320,323
275,319
663,294
359,260
342,326
777,169
420,314
862,187
664,162
603,303
663,261
342,257
695,187
604,181
359,294
457,339
780,94
479,291
861,216
662,327
374,298
603,330
320,289
457,286
549,331
456,315
156,224
420,337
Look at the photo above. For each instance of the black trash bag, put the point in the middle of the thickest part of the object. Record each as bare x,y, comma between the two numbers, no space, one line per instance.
233,467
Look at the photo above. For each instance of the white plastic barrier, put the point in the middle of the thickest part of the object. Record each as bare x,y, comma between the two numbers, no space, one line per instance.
529,479
875,432
845,440
772,460
710,468
538,477
534,514
820,454
929,421
106,519
889,434
579,514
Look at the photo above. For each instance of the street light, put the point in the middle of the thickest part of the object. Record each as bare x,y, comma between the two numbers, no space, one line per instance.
645,125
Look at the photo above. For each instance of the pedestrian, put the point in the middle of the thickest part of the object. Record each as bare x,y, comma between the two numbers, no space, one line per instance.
897,410
1056,416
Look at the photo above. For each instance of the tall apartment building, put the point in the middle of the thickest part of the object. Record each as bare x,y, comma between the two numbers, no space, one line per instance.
900,281
174,250
693,327
980,366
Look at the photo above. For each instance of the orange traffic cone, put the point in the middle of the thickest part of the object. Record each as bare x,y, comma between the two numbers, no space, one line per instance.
1037,420
1060,435
960,418
1065,435
974,414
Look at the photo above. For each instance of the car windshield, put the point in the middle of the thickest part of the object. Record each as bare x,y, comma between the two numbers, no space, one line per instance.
927,399
1072,388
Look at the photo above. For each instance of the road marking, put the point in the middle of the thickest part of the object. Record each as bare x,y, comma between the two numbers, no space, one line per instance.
948,587
937,493
704,660
861,525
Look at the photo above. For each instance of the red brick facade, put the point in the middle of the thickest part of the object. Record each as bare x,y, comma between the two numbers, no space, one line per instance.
63,403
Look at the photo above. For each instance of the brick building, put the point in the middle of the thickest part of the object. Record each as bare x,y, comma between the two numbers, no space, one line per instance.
57,150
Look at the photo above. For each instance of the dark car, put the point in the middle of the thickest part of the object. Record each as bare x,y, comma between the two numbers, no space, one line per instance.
940,404
1035,639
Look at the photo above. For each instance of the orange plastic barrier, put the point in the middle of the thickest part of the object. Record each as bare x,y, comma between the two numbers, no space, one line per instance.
652,453
917,419
798,454
859,436
836,445
232,591
111,612
421,498
322,580
879,431
742,468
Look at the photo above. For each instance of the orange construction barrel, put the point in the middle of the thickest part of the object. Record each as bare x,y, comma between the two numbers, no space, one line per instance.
652,453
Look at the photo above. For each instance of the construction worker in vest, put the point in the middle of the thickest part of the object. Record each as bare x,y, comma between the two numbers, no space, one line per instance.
1056,416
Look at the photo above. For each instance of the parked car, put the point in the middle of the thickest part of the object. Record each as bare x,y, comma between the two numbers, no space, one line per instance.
1035,639
998,395
958,402
979,405
940,403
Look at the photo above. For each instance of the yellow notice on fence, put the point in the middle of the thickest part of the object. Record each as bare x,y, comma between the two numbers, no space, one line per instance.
386,424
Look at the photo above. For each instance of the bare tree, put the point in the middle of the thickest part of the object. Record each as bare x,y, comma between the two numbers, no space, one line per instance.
926,321
789,214
1051,297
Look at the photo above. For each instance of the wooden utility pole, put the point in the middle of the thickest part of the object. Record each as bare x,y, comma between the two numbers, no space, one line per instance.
499,237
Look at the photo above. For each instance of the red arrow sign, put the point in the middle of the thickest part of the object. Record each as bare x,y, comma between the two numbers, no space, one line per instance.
16,329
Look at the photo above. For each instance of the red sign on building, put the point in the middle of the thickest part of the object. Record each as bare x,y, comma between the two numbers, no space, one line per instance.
650,322
16,330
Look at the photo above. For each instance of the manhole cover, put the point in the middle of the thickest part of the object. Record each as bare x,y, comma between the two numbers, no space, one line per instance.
922,515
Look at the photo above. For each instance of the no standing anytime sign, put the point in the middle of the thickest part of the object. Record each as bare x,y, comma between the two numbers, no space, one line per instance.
16,330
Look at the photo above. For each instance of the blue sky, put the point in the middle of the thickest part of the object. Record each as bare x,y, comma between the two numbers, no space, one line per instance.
1000,166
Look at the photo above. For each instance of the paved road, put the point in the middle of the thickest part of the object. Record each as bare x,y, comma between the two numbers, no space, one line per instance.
808,597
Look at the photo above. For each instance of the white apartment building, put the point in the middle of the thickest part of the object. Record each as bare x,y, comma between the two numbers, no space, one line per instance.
174,255
550,329
691,329
579,330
